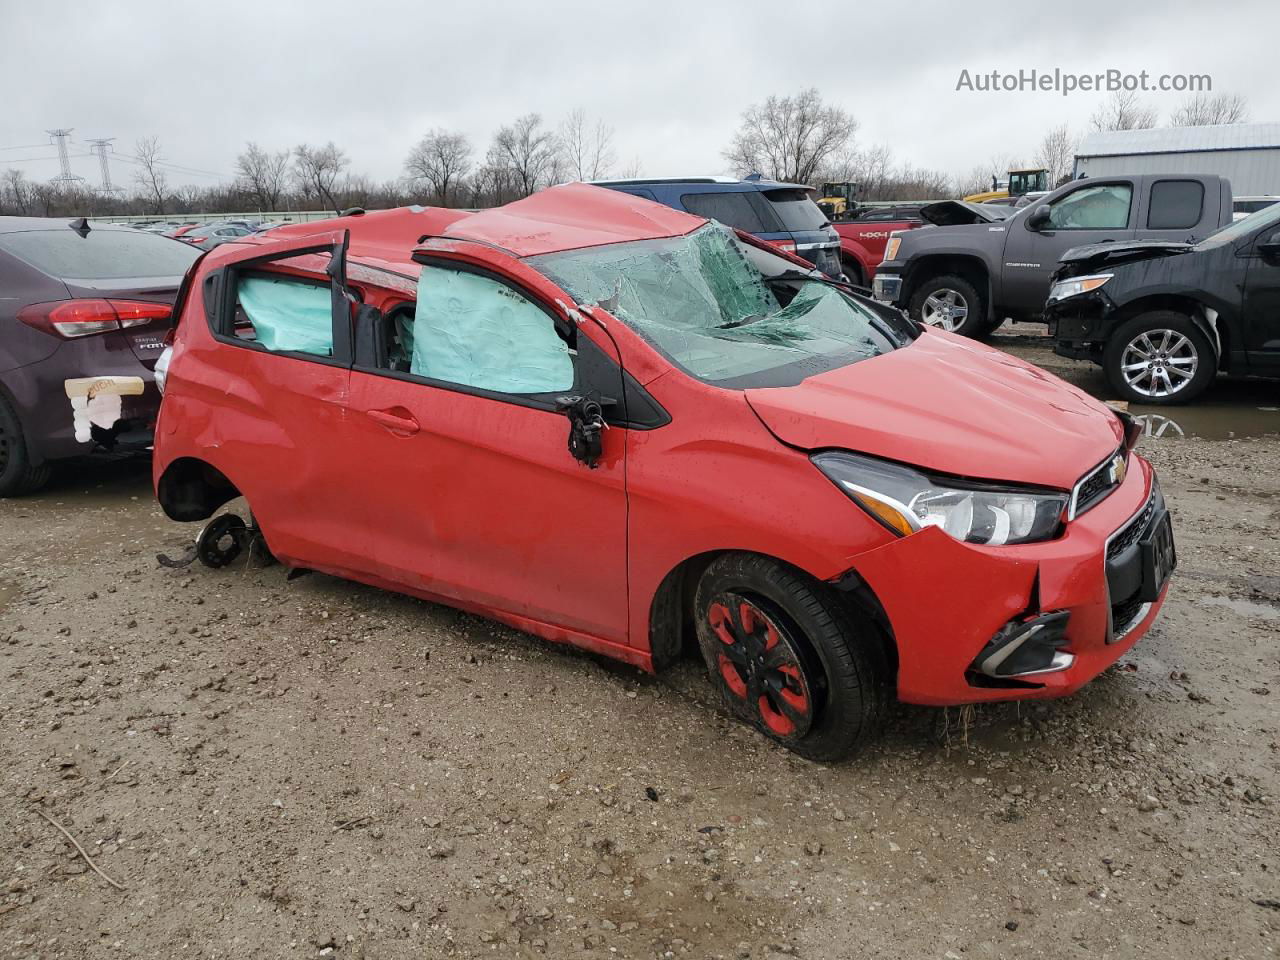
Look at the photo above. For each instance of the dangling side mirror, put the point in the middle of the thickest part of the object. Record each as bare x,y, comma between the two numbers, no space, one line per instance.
586,426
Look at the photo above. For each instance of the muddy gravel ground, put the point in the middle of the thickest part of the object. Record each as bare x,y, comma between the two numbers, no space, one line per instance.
315,768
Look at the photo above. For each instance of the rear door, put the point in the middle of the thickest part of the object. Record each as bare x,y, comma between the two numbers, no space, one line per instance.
1174,208
473,493
269,394
1091,212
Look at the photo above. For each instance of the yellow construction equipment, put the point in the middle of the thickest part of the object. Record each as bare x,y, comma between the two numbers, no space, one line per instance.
1034,180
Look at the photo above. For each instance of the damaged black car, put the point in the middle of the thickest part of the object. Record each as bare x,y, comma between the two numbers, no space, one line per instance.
1163,318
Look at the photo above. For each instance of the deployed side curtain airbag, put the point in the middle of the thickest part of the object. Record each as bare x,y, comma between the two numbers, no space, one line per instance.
289,315
475,331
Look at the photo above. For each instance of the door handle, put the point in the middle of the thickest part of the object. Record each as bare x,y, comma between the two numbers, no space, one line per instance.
394,422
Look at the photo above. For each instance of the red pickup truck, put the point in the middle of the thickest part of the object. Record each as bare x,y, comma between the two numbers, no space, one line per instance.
863,238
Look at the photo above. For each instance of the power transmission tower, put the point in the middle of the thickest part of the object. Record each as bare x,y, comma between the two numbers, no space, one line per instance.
100,147
66,176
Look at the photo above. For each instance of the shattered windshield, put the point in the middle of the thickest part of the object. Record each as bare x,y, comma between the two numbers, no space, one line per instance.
706,306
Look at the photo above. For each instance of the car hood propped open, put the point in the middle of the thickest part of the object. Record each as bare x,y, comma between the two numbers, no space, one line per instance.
951,406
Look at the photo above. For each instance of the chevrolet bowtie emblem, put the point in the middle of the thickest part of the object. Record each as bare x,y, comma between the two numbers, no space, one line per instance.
1118,469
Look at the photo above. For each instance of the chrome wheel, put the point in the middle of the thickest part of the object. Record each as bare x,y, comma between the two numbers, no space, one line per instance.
1159,363
945,309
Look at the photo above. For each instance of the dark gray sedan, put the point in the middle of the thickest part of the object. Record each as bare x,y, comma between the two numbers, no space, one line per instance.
84,310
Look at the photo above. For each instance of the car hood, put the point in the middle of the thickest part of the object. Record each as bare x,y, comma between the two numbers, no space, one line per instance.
952,406
955,213
1094,256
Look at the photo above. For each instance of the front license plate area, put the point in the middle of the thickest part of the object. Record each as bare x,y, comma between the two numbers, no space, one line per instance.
1159,558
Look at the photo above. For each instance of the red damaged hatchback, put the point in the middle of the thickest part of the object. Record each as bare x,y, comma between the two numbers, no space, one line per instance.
619,426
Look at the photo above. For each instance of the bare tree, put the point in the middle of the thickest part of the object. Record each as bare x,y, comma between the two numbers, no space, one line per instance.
527,151
442,160
871,169
45,197
150,176
17,189
316,170
1057,153
263,175
587,147
1123,111
790,138
977,180
1202,110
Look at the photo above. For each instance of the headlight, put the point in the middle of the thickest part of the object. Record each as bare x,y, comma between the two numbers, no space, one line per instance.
1076,286
906,500
891,248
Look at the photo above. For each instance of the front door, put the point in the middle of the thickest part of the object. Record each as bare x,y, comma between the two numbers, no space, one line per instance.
1091,213
1261,315
473,494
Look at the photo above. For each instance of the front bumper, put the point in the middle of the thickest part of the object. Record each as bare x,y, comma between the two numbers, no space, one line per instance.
963,597
1079,325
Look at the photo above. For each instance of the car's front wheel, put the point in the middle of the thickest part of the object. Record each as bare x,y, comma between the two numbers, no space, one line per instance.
949,303
17,476
1159,357
789,657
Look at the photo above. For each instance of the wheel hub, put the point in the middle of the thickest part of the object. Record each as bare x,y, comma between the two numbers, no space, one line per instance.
761,665
1159,363
945,309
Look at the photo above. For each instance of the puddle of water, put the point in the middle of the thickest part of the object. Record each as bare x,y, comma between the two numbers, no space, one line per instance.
1246,608
1210,421
8,593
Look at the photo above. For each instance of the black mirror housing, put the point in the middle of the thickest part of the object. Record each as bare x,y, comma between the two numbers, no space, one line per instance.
1039,216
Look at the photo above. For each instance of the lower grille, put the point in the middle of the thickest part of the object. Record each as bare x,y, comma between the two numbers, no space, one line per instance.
1124,615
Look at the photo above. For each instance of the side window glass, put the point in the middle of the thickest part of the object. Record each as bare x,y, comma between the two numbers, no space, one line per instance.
1175,204
1104,207
284,314
731,209
474,331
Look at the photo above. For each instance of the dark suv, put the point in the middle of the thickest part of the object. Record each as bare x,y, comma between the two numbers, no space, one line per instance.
782,213
1163,318
84,310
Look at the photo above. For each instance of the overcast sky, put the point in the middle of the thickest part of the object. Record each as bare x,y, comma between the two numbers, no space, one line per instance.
672,77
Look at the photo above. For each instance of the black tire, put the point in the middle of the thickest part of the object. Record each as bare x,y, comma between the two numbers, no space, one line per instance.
853,270
959,293
1185,349
17,475
825,674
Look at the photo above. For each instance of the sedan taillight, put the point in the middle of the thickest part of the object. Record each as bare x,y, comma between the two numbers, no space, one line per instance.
70,319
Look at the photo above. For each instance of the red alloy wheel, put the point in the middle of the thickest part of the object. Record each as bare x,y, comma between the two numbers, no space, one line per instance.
761,666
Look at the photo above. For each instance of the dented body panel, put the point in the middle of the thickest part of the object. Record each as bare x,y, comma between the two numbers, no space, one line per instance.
469,498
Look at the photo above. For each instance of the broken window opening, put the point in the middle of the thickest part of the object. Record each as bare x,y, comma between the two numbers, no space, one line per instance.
478,332
282,314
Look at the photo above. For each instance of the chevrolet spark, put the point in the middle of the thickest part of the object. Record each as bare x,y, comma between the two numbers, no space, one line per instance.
616,425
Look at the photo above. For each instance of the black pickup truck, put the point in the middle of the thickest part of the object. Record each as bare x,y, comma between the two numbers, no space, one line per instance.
983,264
